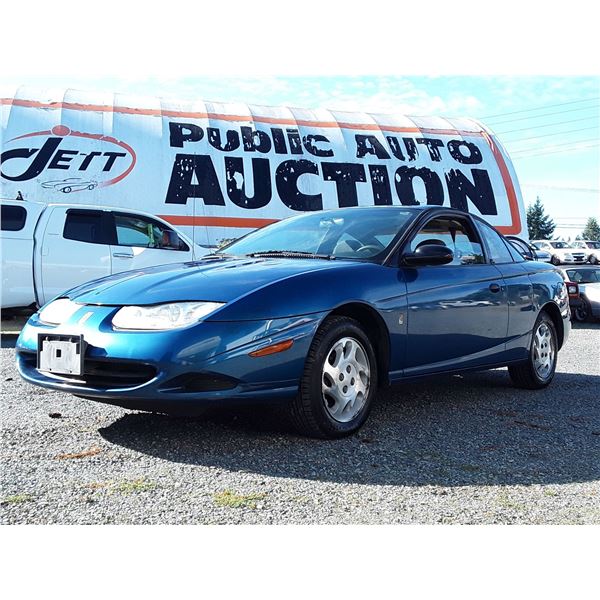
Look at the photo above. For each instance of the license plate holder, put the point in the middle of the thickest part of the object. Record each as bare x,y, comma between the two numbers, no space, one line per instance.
60,354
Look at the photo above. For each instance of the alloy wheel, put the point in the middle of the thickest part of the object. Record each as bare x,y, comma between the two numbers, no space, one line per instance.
543,351
345,379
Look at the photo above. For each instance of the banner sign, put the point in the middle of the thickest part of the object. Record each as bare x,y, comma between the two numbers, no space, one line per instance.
221,170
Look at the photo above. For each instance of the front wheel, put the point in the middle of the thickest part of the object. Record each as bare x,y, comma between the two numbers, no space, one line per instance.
583,311
339,381
593,259
538,370
555,260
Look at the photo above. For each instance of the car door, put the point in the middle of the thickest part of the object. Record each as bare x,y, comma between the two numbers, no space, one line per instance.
75,249
519,289
17,225
457,313
140,242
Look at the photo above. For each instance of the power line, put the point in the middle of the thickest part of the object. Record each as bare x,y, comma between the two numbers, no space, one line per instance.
541,126
515,112
558,112
545,186
526,150
568,151
535,137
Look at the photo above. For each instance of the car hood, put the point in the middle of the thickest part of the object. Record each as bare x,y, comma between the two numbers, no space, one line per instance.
591,290
563,251
221,280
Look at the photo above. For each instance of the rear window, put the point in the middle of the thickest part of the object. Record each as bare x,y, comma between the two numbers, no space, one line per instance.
13,217
499,252
85,226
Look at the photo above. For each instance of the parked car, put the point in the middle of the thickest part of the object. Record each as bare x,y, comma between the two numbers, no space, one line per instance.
591,248
561,252
317,311
527,250
573,293
48,248
586,305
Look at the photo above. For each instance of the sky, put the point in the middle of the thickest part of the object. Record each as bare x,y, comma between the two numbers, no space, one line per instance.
548,124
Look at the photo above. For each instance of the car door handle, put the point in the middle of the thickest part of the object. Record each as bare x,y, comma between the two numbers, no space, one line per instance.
122,255
495,287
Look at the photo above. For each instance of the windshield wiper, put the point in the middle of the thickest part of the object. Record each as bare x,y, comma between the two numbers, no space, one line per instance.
214,255
290,254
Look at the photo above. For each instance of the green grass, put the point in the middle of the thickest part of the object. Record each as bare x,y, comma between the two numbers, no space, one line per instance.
17,499
230,499
505,502
133,486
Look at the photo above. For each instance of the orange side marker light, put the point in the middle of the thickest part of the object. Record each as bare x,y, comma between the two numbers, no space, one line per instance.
272,349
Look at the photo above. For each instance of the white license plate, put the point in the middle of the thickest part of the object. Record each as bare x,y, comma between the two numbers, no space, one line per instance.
61,354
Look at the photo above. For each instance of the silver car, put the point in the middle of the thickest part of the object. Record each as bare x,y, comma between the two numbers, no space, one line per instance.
588,280
561,252
590,247
528,251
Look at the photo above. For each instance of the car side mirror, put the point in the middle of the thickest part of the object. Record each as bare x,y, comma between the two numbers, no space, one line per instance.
428,255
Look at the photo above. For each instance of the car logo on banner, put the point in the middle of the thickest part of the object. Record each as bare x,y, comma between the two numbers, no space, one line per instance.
67,161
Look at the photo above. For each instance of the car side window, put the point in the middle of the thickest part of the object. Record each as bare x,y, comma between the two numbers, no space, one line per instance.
135,230
499,253
85,226
455,233
520,248
12,218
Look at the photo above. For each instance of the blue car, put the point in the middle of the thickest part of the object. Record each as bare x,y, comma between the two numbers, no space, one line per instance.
317,312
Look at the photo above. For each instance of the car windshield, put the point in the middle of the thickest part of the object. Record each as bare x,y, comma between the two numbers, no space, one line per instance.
584,275
560,245
354,233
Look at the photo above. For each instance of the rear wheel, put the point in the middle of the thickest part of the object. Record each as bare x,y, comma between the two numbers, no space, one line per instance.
583,311
538,370
339,381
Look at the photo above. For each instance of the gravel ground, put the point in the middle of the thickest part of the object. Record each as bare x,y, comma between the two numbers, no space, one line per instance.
461,449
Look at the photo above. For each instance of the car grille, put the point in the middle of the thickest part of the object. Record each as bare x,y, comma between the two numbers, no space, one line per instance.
99,373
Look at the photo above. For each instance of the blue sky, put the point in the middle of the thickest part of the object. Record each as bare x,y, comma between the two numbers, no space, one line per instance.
548,124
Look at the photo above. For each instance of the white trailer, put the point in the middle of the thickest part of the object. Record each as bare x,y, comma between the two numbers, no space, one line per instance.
221,170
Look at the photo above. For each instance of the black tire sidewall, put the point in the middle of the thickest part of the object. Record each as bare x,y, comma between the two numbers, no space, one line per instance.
584,305
555,260
312,379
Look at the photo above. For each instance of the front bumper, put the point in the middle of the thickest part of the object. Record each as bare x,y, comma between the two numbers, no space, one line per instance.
581,260
206,364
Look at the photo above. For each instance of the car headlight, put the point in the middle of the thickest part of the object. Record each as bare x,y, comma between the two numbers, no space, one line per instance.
58,312
163,316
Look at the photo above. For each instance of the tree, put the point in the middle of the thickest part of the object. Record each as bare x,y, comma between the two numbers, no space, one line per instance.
539,225
592,230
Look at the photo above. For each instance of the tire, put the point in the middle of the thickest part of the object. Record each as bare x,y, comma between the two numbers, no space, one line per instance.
593,260
555,260
583,312
325,407
538,370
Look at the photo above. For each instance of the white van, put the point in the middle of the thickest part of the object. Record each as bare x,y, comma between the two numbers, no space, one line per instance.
218,171
48,248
